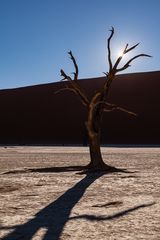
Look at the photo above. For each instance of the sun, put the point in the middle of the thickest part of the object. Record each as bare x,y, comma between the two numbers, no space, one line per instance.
120,53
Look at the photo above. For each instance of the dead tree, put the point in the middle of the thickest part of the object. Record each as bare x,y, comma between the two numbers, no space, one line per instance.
98,103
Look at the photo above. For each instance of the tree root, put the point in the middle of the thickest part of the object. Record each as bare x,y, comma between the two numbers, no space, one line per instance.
102,167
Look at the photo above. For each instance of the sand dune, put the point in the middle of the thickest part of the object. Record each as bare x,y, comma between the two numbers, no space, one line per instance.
36,115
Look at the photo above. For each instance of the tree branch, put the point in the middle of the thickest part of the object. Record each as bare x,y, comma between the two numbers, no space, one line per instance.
74,83
131,48
113,107
120,58
109,50
65,76
64,89
132,59
75,65
78,92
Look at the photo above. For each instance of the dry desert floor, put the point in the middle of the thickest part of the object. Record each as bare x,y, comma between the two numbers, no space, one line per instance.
44,197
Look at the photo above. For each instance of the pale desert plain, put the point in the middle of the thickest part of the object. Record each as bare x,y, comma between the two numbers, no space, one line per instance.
44,197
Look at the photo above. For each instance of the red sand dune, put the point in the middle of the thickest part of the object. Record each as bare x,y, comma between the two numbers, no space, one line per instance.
36,115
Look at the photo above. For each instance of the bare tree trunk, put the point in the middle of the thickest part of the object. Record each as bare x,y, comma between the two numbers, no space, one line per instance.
95,151
96,160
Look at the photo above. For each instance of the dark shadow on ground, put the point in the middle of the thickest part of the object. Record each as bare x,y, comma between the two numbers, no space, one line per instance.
55,215
80,169
46,170
131,176
113,216
109,204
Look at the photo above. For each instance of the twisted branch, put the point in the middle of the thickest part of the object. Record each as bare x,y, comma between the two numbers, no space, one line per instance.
109,50
109,107
95,104
115,107
75,65
114,69
132,59
130,49
75,87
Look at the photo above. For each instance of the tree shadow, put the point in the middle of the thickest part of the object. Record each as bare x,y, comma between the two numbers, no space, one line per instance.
54,216
79,169
46,170
113,216
109,204
58,169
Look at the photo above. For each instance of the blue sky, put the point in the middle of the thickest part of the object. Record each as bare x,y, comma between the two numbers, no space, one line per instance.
35,36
